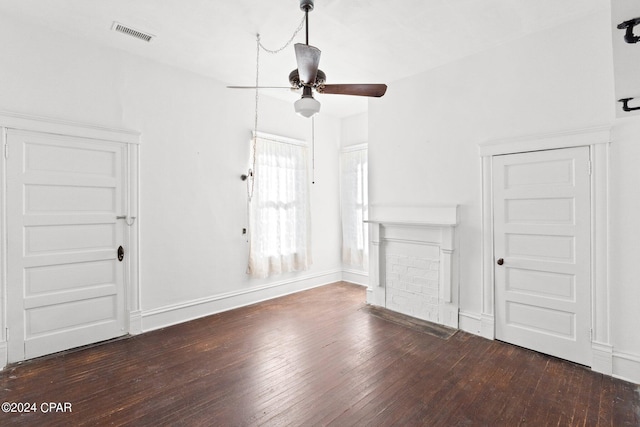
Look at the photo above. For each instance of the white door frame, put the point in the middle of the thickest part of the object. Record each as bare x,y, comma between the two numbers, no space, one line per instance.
131,141
597,139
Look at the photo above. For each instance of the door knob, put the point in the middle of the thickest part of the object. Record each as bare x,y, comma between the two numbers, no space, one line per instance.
120,253
500,261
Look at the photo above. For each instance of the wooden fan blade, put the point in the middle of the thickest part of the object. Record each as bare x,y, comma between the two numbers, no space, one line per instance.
308,59
376,90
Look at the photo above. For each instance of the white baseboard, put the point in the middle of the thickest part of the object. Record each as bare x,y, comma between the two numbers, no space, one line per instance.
470,322
183,312
602,358
487,327
370,296
618,364
355,276
4,354
626,367
135,322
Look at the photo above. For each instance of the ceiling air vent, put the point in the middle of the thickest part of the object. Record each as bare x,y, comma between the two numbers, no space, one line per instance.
131,32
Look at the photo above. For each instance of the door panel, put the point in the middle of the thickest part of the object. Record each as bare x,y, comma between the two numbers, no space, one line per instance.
539,211
539,247
65,197
541,320
541,283
65,284
542,232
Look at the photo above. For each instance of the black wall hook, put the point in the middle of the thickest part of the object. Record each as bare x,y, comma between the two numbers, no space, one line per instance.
629,37
625,104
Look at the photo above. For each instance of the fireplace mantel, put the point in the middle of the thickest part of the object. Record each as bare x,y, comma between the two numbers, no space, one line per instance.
438,216
413,261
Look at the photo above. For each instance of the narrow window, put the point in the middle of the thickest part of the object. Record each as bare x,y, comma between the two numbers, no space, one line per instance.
279,219
354,202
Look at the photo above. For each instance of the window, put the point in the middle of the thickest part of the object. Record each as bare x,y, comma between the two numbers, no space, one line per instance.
354,202
279,220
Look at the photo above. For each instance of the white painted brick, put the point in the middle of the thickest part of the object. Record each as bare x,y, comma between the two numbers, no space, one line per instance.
412,285
430,292
399,269
418,289
399,300
419,280
432,275
392,259
401,260
417,272
422,263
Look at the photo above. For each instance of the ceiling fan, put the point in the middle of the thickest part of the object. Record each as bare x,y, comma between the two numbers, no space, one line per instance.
309,78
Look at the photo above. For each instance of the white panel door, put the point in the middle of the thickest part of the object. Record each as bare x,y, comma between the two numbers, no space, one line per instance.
65,283
542,249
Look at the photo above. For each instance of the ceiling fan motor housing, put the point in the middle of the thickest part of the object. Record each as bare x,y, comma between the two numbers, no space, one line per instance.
294,79
306,5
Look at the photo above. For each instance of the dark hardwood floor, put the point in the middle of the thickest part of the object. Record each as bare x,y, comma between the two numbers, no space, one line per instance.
313,358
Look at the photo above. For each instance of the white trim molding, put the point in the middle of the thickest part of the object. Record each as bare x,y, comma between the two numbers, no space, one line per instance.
68,128
358,277
488,326
546,141
278,138
435,215
470,322
598,140
135,322
4,354
355,147
626,366
189,310
602,358
131,139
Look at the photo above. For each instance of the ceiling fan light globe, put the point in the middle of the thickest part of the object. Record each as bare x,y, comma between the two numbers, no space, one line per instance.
307,107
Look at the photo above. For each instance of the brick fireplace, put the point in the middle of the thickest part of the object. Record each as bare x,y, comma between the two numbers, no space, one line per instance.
413,262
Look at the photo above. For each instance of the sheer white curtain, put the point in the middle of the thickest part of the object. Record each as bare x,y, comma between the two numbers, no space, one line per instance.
355,208
279,219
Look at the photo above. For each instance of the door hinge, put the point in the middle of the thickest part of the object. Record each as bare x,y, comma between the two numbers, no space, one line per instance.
589,167
6,151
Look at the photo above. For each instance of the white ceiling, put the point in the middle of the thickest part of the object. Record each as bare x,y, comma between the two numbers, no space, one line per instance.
362,41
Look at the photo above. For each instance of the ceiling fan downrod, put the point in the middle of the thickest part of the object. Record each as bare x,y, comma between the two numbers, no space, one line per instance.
306,6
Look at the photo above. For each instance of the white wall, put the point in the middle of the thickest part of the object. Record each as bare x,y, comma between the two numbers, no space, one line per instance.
624,241
624,268
423,142
354,129
195,146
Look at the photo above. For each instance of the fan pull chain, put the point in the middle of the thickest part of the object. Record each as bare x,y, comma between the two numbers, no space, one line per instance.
250,179
259,45
295,33
313,150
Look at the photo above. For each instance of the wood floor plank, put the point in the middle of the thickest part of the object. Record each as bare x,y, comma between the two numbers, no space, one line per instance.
312,358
